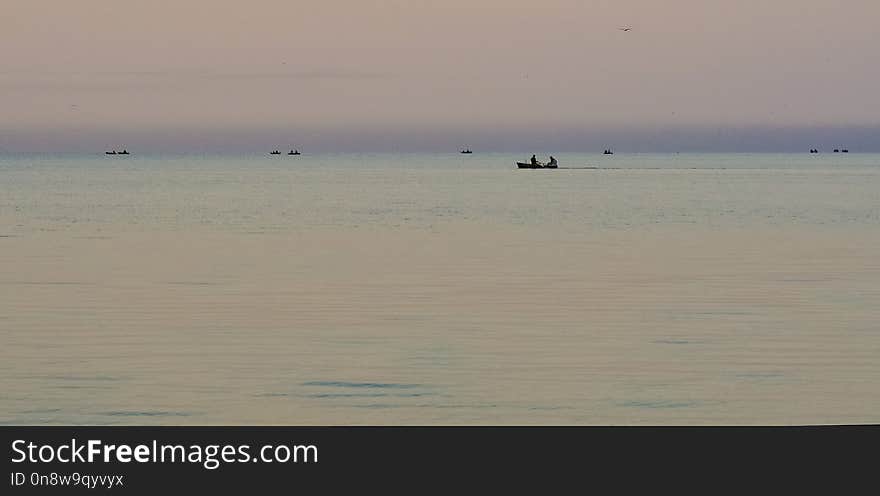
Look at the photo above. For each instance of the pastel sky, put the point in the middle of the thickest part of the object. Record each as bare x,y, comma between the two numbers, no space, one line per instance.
410,74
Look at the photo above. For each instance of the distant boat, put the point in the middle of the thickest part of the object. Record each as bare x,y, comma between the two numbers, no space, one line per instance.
124,152
836,150
845,150
539,165
114,152
111,152
294,152
276,152
607,152
466,151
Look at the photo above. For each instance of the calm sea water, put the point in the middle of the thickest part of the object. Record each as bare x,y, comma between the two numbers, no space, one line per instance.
440,289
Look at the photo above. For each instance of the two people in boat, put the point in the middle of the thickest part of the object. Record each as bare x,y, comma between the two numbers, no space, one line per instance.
551,163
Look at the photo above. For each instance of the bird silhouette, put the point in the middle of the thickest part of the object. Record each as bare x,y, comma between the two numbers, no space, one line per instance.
625,29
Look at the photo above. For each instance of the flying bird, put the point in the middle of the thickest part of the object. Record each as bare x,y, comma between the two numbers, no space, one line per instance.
625,29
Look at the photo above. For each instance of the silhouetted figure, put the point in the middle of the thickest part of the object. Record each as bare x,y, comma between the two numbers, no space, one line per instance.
534,160
553,161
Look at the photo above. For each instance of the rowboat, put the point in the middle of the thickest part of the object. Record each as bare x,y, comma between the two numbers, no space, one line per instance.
527,165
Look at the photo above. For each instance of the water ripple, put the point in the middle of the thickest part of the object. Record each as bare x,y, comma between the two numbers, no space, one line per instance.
369,385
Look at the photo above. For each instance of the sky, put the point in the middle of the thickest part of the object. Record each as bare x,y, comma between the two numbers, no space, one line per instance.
428,75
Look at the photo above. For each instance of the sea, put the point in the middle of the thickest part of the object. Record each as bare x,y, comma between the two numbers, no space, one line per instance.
440,289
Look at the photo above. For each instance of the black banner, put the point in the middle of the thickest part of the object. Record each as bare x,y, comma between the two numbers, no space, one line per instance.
413,460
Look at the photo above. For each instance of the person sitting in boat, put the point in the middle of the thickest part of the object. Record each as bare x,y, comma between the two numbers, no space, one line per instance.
534,160
552,160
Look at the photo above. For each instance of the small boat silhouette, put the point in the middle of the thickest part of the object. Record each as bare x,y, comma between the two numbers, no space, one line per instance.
466,151
607,152
111,152
276,152
294,152
539,165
